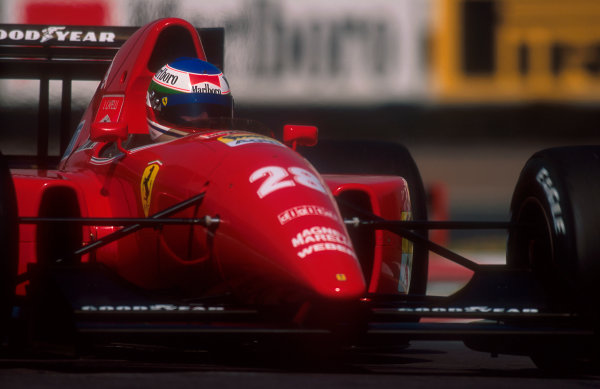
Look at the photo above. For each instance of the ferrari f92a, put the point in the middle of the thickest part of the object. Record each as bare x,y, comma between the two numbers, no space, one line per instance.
228,234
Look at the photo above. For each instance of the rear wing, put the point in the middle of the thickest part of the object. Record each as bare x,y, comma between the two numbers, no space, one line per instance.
68,53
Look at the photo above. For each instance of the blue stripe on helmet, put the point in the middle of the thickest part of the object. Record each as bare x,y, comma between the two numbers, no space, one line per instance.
194,65
191,98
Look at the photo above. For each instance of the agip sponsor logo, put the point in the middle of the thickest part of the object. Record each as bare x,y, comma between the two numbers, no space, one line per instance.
234,140
53,34
318,239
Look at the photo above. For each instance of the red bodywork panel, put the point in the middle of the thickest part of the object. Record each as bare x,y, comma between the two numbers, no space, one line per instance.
392,256
281,236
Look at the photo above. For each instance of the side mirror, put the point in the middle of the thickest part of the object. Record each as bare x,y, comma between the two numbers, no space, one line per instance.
296,135
108,131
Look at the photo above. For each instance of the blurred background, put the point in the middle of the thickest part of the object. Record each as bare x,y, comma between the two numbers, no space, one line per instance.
472,87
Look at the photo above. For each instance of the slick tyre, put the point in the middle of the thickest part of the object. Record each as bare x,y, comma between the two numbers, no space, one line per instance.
556,202
557,195
9,243
384,158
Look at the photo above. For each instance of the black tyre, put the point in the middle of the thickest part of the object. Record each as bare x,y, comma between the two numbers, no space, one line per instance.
9,240
557,197
372,157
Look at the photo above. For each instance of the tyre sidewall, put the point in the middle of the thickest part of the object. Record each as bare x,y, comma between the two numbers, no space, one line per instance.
566,183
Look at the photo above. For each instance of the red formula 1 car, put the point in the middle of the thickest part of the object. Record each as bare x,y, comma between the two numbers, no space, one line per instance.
229,235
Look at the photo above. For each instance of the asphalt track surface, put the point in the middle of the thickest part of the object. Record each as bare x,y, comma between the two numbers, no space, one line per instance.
423,364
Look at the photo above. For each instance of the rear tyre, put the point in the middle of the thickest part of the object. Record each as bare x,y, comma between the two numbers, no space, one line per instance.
557,195
9,242
385,158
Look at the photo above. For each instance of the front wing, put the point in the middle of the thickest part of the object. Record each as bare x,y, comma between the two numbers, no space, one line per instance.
87,303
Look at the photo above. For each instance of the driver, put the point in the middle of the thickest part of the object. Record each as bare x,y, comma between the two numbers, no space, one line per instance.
183,95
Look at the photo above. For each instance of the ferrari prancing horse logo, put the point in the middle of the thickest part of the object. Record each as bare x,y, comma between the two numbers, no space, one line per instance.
147,183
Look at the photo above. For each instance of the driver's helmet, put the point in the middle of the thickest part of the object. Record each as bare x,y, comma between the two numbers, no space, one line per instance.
183,95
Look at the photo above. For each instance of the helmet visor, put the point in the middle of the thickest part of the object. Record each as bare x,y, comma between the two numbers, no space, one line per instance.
183,110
